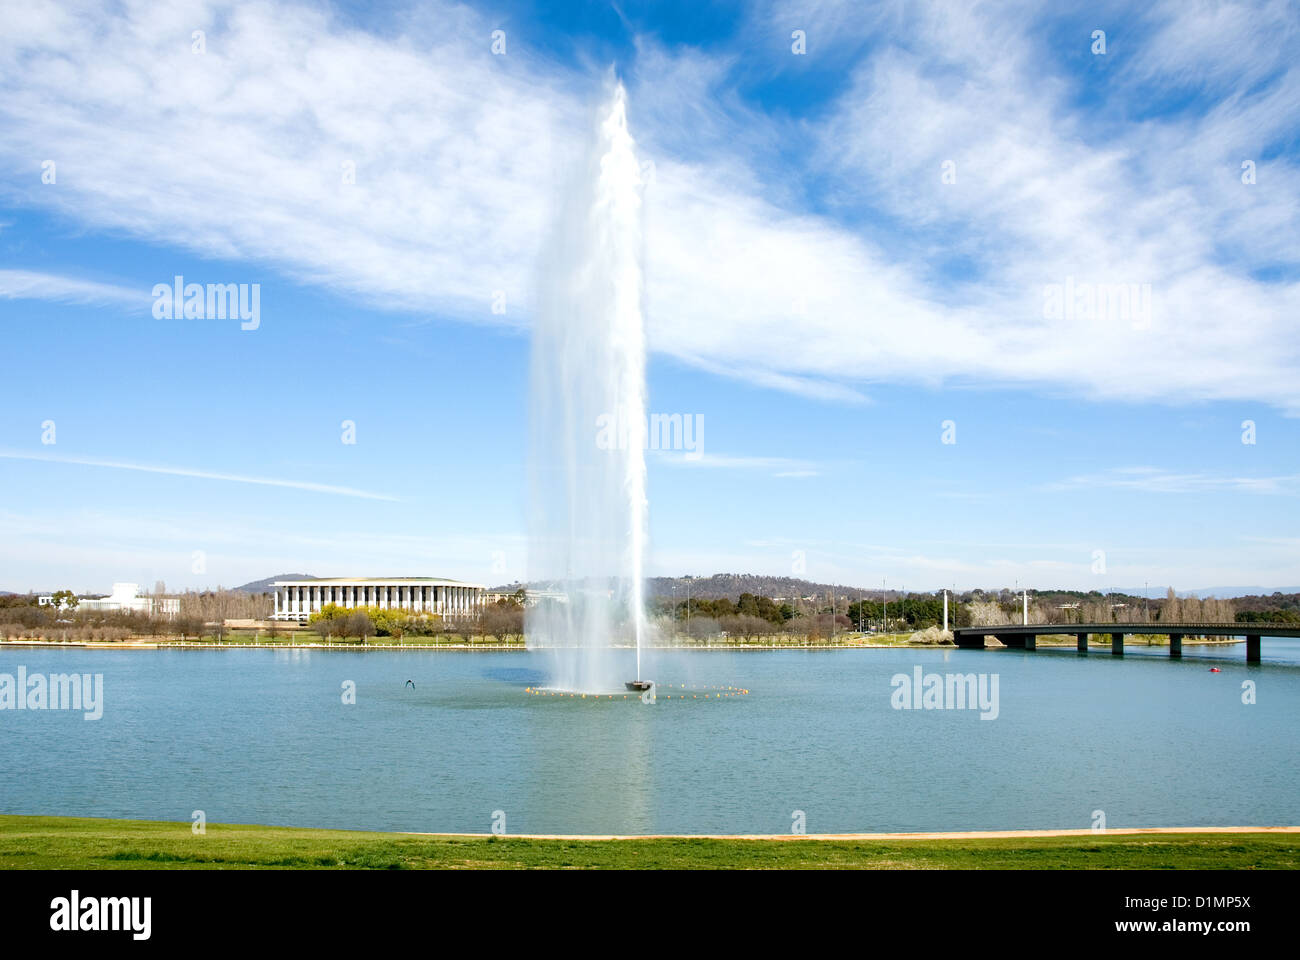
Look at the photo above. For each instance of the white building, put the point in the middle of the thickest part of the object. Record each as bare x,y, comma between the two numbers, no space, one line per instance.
126,597
531,597
299,599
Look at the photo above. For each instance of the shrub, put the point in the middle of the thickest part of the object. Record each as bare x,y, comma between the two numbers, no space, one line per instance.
932,635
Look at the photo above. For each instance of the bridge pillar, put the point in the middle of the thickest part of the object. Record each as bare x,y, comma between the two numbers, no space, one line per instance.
1031,642
1252,648
1081,642
1117,644
1175,645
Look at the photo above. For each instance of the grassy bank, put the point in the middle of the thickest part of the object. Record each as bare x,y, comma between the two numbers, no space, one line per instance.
77,843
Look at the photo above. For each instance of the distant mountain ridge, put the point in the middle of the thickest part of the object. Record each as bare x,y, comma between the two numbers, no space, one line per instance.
264,586
718,585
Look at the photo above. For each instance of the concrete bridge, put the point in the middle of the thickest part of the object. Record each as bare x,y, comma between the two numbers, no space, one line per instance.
1025,637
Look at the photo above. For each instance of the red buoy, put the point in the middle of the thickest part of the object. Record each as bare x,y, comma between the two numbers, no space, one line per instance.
1214,670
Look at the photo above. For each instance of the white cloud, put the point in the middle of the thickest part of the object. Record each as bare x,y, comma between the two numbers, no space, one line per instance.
787,466
307,485
237,154
1159,480
35,285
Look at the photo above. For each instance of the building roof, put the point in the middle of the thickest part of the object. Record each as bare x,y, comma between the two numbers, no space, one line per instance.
377,581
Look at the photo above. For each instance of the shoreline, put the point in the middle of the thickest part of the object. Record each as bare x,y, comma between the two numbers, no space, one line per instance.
7,819
163,644
854,837
85,843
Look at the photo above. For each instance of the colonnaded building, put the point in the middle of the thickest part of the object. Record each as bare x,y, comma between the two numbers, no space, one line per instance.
299,599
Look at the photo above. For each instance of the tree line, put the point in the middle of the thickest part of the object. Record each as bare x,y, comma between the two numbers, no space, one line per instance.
503,620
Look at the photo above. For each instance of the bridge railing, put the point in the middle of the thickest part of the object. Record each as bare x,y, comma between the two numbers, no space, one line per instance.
1101,625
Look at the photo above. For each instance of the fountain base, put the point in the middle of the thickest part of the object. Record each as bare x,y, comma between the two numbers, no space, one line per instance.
639,685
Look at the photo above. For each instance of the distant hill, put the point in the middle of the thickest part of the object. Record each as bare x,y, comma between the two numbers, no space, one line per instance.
732,585
1224,593
264,586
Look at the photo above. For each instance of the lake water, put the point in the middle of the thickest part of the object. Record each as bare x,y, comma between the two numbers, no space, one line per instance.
262,736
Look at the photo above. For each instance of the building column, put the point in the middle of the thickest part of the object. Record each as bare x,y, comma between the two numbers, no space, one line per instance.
276,609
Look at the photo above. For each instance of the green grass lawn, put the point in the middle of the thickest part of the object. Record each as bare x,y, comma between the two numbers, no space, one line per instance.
79,843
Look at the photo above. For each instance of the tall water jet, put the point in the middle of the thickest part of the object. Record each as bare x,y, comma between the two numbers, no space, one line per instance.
588,421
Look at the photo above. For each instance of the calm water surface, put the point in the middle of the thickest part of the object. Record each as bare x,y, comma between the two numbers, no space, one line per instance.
262,736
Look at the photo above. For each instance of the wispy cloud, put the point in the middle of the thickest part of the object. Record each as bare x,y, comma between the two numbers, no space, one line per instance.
200,474
781,466
1158,480
457,154
33,285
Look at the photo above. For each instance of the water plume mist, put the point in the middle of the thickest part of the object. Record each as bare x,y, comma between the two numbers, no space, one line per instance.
587,519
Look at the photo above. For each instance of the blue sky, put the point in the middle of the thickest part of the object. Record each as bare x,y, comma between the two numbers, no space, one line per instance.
817,291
